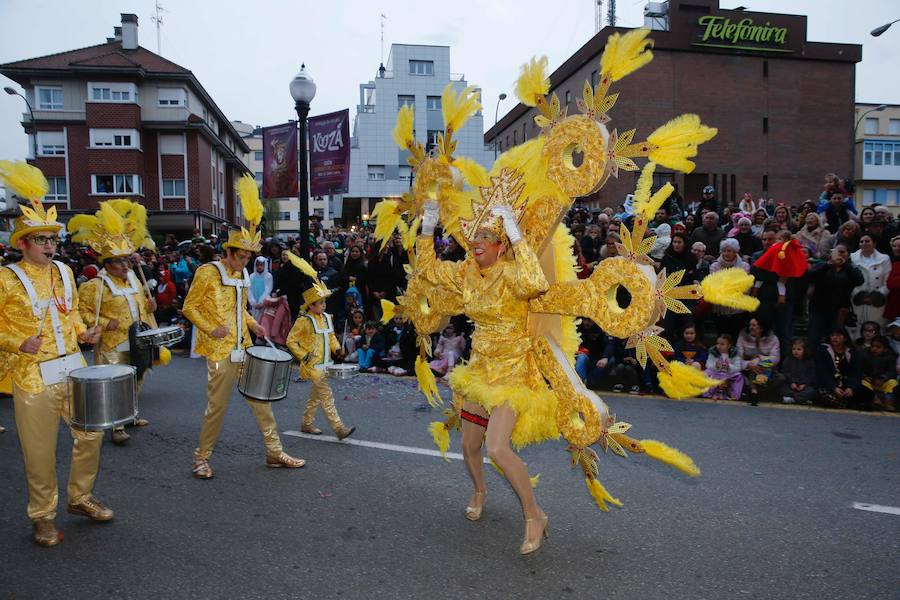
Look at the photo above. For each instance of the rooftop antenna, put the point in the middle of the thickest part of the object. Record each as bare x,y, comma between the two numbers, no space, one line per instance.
383,19
159,21
611,13
598,15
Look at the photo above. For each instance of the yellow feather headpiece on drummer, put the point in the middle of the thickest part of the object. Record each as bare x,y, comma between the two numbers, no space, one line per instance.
107,232
29,183
248,238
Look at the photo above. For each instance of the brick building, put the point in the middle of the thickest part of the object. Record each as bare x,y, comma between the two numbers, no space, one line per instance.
116,120
783,105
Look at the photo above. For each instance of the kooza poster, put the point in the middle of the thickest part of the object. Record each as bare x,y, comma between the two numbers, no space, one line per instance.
329,153
280,161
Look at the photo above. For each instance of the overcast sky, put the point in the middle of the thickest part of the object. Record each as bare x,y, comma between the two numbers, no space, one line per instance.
245,53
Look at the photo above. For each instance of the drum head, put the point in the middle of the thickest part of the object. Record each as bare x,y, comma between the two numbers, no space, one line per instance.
166,329
102,372
268,353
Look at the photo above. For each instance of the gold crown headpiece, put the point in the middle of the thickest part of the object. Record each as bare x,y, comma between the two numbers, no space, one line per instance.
248,238
505,189
318,291
29,183
107,231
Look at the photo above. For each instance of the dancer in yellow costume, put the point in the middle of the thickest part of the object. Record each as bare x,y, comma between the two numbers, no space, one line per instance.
217,306
518,281
122,299
312,342
40,328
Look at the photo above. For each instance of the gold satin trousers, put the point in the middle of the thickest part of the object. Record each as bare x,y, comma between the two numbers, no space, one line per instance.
320,393
221,377
37,421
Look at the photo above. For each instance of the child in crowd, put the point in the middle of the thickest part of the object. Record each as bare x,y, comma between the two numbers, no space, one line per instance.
724,364
799,373
626,372
870,330
353,335
401,346
786,258
370,348
878,375
688,350
447,352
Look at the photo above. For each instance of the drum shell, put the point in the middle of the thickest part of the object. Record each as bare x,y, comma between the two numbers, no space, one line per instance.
99,404
263,379
157,338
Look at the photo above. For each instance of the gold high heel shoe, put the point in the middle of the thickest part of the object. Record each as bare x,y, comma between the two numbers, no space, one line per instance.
531,544
473,513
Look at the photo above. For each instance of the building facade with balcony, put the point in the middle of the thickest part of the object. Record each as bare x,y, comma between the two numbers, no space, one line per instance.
415,75
877,155
116,120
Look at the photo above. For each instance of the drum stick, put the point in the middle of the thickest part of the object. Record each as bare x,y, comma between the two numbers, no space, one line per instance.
43,320
268,341
97,308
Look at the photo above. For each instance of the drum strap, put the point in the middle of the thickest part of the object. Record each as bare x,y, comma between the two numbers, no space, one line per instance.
239,286
128,293
39,306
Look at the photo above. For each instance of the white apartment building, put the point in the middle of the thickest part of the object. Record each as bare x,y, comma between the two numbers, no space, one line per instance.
414,75
877,156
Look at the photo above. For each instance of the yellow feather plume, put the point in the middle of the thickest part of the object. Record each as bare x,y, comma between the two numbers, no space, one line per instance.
684,381
248,191
474,174
403,131
387,310
165,357
24,180
533,82
601,496
626,54
301,264
80,227
728,287
111,220
457,109
678,140
387,220
441,437
409,237
671,456
427,383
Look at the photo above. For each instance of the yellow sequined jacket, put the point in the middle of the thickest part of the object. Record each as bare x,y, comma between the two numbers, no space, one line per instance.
308,347
209,304
18,322
111,307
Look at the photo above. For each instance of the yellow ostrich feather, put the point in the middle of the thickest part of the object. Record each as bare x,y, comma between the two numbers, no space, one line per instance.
474,174
671,456
24,180
599,493
409,236
387,220
388,309
533,82
565,271
427,383
684,381
728,287
677,141
458,108
441,437
301,264
110,219
141,236
165,357
625,54
248,191
645,204
403,131
80,227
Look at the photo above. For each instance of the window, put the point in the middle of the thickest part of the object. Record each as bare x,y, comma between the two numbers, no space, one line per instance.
50,98
894,127
112,92
568,97
765,68
258,176
432,139
57,191
404,172
433,102
172,97
114,138
376,172
173,188
51,143
515,137
171,144
409,101
881,153
893,197
524,134
868,197
421,67
871,125
765,183
765,124
594,78
285,215
115,184
257,155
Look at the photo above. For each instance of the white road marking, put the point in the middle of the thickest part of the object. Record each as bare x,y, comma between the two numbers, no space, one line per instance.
888,510
378,445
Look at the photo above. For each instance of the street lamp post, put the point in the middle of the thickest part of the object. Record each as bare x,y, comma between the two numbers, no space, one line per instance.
879,30
13,92
496,112
878,108
303,90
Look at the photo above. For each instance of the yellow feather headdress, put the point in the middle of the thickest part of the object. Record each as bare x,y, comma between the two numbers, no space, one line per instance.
107,231
248,238
28,182
533,83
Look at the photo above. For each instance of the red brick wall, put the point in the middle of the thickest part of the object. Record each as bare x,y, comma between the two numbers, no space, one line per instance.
112,115
150,175
199,173
172,166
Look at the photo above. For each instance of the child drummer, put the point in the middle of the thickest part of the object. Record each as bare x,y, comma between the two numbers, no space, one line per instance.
312,342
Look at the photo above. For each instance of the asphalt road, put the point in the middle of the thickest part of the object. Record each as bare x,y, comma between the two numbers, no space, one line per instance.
771,517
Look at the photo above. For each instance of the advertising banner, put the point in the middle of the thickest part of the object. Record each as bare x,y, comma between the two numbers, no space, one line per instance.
329,153
280,161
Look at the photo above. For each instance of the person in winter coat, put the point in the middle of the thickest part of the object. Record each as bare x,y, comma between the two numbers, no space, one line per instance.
798,375
724,364
830,288
815,238
760,354
837,371
892,308
869,297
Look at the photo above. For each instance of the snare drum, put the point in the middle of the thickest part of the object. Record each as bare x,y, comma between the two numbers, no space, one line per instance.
342,371
265,374
102,397
157,338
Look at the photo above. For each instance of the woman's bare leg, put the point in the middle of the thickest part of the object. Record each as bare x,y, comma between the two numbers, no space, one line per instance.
472,438
499,431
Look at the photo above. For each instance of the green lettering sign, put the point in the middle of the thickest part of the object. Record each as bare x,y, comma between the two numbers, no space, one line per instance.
722,32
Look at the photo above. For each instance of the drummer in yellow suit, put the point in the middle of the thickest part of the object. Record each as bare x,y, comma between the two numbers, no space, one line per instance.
122,300
217,306
40,328
312,342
